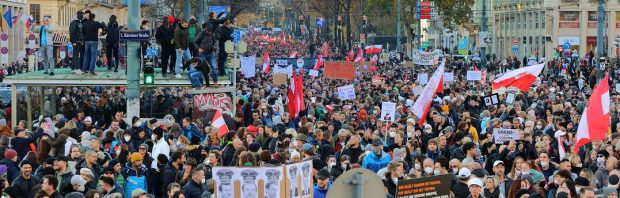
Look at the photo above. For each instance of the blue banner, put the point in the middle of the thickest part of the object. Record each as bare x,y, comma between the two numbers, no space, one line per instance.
219,9
142,2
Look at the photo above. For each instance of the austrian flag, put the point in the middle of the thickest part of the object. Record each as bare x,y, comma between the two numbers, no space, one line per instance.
360,56
521,78
219,123
596,118
265,63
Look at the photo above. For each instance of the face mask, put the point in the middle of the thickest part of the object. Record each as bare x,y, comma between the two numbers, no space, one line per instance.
539,127
417,166
392,134
265,114
344,166
428,170
118,152
600,160
127,138
367,152
518,173
137,124
455,170
436,172
578,189
331,164
428,131
557,182
295,144
409,134
544,164
525,187
81,188
154,137
395,180
579,165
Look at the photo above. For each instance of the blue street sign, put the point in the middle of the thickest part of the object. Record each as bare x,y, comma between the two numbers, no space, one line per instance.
515,49
320,21
236,35
566,45
135,35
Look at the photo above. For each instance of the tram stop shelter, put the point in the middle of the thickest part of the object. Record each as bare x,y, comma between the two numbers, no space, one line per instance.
31,89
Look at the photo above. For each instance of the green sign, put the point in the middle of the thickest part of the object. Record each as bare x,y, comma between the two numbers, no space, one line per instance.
425,44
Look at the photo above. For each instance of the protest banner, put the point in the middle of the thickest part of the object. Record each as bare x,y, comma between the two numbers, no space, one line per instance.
279,79
377,80
426,187
339,70
474,75
502,135
422,58
388,111
346,92
491,100
448,77
314,73
423,78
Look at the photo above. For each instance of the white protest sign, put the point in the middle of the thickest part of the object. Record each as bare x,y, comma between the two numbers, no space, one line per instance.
423,78
448,77
510,98
618,87
502,135
388,111
474,75
346,92
419,57
314,73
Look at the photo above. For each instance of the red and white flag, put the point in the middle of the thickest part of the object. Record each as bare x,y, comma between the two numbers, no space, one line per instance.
595,121
293,54
319,62
299,91
219,123
360,56
349,55
265,63
521,78
373,49
292,98
29,22
423,103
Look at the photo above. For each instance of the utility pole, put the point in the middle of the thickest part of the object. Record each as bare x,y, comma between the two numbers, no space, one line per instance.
201,11
599,40
398,29
188,9
133,61
483,28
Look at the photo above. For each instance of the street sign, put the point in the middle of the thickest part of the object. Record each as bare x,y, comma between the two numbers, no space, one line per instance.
515,49
566,45
135,35
236,35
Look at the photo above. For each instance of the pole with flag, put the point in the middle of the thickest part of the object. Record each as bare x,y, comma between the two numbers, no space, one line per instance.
219,123
423,103
265,63
595,120
319,62
521,78
360,56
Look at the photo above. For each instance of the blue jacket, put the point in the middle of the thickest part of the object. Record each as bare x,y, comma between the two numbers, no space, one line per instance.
321,193
374,162
192,131
134,179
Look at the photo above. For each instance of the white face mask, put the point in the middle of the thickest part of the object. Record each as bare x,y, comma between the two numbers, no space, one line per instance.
331,164
600,160
395,180
137,124
539,127
392,134
343,166
544,164
428,170
154,137
455,170
368,152
436,172
417,166
579,165
127,138
410,134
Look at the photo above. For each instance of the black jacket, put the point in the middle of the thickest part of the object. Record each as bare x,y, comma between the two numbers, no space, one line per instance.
24,186
75,31
165,36
390,185
193,189
180,38
170,174
224,34
91,30
353,153
22,145
113,33
205,41
203,66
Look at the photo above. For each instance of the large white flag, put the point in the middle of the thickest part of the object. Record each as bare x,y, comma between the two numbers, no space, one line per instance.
248,66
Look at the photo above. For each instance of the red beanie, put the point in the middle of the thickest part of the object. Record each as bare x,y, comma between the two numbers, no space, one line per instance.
170,19
10,154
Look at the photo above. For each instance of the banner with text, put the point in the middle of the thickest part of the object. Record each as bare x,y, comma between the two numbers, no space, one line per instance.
339,70
346,92
503,135
426,187
422,58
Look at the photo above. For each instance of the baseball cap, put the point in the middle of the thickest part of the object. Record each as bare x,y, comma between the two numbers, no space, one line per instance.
497,162
62,158
474,181
78,180
464,173
322,174
307,148
376,141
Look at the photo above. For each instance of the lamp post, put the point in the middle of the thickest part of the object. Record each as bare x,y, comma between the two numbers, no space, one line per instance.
133,61
398,29
599,39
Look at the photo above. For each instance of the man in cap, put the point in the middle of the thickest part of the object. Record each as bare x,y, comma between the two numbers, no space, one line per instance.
475,187
323,184
135,175
10,160
504,182
377,159
461,189
25,182
62,173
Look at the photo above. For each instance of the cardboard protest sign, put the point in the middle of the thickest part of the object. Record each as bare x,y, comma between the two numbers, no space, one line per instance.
474,75
388,111
426,187
279,79
502,135
423,78
339,70
448,77
346,92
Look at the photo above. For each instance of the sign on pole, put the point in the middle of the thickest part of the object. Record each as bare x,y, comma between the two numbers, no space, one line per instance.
388,109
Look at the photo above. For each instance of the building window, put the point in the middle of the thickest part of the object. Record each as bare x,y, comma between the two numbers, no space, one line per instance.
35,11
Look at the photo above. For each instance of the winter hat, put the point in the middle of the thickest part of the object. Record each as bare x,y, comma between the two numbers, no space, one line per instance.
153,121
113,163
162,159
254,147
582,181
146,146
170,19
135,157
134,119
87,171
10,154
613,180
75,195
78,180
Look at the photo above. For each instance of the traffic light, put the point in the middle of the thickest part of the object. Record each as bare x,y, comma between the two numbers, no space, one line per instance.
364,20
149,75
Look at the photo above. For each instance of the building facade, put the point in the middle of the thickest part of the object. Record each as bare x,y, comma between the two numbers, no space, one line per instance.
16,38
540,27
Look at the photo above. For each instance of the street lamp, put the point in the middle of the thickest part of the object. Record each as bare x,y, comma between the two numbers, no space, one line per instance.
617,44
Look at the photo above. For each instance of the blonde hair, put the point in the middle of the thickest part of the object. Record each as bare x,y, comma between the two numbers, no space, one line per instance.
495,180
